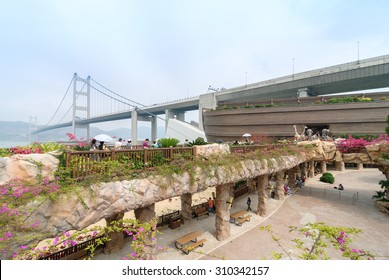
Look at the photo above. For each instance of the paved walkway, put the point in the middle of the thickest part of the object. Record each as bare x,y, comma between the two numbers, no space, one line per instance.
316,202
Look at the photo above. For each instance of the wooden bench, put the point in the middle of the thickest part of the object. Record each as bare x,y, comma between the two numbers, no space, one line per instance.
240,221
190,237
191,247
201,211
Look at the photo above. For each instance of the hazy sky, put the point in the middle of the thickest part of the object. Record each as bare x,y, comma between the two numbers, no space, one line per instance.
154,51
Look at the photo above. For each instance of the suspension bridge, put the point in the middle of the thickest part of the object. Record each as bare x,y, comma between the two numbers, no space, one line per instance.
94,103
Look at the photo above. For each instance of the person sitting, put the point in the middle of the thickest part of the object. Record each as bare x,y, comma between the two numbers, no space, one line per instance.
287,190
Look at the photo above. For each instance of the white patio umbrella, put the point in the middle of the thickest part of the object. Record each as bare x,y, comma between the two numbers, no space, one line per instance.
246,135
103,138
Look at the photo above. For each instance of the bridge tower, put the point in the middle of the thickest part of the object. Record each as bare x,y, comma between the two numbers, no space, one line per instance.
81,104
33,126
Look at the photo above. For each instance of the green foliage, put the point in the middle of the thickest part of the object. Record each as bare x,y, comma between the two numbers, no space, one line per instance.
316,239
169,142
384,194
327,178
348,99
198,142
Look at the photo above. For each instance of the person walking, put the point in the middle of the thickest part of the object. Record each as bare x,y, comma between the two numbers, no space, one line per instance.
249,204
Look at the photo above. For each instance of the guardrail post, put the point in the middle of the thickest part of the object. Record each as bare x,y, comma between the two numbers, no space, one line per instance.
68,154
144,157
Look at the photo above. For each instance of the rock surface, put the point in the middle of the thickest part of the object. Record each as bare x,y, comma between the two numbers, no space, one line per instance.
27,167
105,200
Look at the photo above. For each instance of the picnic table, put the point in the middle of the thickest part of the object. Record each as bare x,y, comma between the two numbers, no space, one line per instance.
190,237
240,217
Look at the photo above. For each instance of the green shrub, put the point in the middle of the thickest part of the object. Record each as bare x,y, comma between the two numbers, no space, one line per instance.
198,142
169,142
327,178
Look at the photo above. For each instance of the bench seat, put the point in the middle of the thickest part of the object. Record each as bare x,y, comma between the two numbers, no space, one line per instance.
240,221
191,247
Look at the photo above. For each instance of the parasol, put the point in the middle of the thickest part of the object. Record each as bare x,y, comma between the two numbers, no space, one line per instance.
246,135
103,138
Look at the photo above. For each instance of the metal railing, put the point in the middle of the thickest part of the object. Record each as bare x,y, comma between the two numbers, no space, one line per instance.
73,252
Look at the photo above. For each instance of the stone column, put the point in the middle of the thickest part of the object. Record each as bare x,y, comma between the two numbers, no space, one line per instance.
222,211
311,170
252,185
323,166
145,214
116,241
262,182
279,185
339,165
292,178
359,166
303,168
186,207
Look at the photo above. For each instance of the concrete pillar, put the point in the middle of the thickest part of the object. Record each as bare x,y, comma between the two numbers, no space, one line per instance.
359,165
323,166
154,135
180,116
206,101
169,114
340,166
116,239
186,207
134,126
262,182
222,211
279,191
145,214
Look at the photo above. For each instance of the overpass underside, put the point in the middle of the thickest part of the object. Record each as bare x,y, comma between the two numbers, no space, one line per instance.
345,78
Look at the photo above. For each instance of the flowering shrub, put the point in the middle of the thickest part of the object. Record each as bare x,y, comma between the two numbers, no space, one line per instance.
356,145
315,240
15,200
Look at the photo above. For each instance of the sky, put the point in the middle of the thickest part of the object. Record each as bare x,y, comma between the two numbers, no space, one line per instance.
154,51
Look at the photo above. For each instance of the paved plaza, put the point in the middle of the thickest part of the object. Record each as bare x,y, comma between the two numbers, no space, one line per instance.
316,202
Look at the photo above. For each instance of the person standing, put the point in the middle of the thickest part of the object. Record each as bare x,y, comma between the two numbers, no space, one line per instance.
118,144
145,144
129,144
211,206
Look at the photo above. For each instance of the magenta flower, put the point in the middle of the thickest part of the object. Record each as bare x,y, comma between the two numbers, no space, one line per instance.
23,247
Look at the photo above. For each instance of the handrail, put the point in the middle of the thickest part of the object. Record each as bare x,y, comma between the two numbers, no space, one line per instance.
86,163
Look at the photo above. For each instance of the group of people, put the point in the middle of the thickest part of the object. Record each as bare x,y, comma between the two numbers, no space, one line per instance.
146,144
117,146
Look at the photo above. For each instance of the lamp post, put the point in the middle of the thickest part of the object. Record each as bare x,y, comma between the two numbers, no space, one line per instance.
358,51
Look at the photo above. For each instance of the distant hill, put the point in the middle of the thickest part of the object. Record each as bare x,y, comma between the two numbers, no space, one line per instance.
19,132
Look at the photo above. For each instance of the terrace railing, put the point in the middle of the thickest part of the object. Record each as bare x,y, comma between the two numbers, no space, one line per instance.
82,164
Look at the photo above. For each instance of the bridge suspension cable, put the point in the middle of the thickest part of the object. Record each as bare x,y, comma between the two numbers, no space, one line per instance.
63,98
